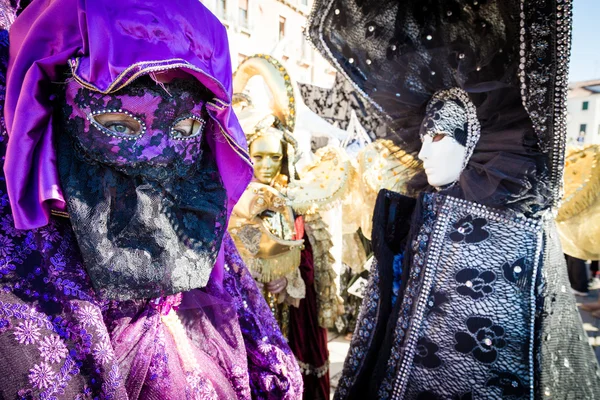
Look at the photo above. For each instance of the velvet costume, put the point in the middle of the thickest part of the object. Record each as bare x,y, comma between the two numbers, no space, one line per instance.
63,332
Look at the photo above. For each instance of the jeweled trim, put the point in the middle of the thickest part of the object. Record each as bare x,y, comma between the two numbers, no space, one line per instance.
533,306
434,251
324,48
309,369
92,118
177,136
362,337
474,127
544,85
143,68
414,321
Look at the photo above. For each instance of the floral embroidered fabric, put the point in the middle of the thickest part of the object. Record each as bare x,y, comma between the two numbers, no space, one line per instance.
60,340
483,313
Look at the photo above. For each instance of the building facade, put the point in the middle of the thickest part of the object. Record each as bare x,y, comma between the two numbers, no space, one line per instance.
583,113
274,27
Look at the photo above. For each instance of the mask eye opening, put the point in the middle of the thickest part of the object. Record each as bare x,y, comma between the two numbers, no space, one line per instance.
196,129
118,123
436,137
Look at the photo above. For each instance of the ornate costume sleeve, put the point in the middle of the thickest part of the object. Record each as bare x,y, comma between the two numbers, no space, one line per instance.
274,373
329,303
295,289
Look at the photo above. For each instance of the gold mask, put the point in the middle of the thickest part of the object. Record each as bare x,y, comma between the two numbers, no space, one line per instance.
267,155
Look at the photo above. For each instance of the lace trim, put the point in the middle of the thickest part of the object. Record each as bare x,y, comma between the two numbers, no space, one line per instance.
296,288
308,369
329,304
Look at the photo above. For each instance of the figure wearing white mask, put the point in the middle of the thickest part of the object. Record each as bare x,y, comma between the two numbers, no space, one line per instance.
449,134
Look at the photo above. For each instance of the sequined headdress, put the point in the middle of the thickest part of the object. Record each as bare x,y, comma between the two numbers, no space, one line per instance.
510,56
452,113
278,120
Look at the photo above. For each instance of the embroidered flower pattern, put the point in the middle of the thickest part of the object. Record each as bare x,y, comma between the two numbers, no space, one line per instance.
103,352
200,387
427,396
50,233
8,226
510,384
6,246
483,339
27,332
4,325
474,283
41,375
52,349
425,354
469,230
435,302
433,114
515,272
87,315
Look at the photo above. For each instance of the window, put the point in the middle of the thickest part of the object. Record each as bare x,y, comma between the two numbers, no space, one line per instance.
281,27
305,47
585,105
243,13
222,9
581,137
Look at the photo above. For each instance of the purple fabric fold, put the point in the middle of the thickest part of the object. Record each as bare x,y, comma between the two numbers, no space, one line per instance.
107,44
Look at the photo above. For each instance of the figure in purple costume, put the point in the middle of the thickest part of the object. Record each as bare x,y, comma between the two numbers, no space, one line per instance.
122,162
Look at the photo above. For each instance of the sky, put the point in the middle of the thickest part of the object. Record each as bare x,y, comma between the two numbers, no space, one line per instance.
585,51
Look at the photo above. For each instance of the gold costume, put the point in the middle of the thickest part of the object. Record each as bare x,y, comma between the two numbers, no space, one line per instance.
578,218
263,223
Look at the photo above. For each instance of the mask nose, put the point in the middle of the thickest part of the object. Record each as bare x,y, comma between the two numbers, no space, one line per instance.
268,163
425,149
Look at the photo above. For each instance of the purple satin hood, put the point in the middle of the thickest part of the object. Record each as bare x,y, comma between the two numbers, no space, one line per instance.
107,44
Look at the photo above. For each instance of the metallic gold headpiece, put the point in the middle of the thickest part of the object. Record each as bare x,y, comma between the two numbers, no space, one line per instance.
281,118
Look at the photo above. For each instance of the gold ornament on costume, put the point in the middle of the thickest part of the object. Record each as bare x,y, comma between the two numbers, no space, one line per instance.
266,254
380,165
323,182
278,81
578,218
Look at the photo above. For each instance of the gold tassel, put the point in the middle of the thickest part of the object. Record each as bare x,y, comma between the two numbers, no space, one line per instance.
269,269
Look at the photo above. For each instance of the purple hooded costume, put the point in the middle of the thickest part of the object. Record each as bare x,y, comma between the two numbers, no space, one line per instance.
71,330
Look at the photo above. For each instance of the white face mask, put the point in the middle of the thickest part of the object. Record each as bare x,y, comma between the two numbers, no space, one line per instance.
443,158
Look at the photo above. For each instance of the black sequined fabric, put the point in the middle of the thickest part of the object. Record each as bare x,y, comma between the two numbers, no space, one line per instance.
398,54
566,366
336,105
148,219
485,313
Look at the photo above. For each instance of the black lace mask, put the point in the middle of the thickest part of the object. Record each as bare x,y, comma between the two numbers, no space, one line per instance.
145,197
